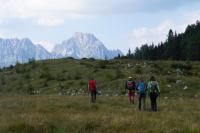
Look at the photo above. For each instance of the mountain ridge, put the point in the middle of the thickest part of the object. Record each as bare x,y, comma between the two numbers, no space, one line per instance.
80,45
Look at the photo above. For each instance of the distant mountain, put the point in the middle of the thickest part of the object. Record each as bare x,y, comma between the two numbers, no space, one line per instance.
15,50
81,45
84,45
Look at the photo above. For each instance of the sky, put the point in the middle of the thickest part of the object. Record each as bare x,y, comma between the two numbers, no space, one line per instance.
119,24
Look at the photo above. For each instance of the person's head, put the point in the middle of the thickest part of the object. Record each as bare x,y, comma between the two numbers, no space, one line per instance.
130,78
152,78
141,79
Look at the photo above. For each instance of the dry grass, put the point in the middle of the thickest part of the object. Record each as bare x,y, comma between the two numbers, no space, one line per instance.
51,113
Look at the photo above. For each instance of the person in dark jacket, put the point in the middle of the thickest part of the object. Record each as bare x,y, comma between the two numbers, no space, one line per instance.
153,92
131,87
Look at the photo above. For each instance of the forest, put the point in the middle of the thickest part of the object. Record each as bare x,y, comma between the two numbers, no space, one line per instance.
182,46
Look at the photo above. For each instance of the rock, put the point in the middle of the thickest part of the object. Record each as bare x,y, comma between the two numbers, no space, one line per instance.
169,86
165,97
185,88
129,65
178,81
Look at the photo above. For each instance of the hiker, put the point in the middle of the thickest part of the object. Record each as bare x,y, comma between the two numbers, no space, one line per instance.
141,90
130,86
93,90
153,92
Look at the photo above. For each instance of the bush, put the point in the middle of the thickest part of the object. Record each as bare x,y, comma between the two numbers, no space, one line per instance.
30,90
171,79
181,66
138,70
60,77
102,64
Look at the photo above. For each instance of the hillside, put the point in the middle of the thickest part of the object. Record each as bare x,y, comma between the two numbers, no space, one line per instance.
69,76
59,101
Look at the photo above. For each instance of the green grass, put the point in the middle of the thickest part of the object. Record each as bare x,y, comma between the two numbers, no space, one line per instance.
46,112
53,76
51,113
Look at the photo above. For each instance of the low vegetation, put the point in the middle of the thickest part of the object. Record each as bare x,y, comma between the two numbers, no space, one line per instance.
52,96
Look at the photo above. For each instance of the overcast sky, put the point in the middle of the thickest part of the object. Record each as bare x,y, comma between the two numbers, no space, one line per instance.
121,24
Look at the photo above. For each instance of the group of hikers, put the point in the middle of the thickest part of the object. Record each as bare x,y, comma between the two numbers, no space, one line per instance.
142,88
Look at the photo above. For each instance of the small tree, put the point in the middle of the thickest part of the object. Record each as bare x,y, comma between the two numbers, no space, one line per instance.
30,89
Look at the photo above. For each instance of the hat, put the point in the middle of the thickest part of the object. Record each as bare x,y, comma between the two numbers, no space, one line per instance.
130,77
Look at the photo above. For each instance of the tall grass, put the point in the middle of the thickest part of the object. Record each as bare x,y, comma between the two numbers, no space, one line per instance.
51,113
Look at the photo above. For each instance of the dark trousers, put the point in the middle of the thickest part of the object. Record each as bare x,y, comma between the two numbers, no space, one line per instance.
142,101
93,95
153,98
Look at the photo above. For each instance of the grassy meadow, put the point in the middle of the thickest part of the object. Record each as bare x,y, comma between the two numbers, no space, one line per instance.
62,114
52,96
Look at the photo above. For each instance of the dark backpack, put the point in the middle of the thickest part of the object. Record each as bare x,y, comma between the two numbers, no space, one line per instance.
130,85
154,87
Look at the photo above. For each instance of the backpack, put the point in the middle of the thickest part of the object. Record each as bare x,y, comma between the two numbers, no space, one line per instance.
154,87
141,88
130,85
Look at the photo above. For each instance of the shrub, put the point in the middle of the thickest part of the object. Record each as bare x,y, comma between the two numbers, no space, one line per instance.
182,66
138,70
30,90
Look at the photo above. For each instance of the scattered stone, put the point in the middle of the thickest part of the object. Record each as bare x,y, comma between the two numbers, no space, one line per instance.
165,97
129,65
178,81
196,96
116,95
169,86
185,88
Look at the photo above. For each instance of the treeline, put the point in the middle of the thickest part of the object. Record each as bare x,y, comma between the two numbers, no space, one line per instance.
184,46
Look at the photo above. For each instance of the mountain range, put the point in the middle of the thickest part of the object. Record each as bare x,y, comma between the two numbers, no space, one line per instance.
80,45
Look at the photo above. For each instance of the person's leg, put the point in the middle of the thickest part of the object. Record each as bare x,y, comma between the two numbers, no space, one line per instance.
154,102
91,96
95,94
133,97
129,96
144,101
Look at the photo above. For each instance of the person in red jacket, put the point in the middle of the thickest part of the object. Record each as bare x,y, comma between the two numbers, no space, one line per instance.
93,89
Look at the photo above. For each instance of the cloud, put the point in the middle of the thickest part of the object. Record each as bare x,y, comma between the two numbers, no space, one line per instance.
145,35
53,12
50,22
